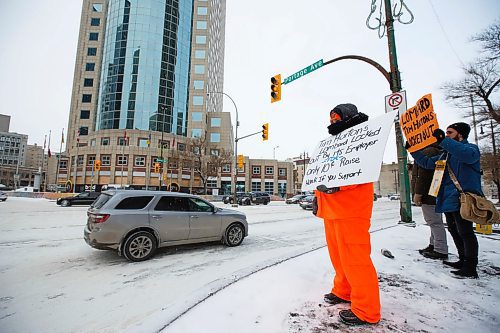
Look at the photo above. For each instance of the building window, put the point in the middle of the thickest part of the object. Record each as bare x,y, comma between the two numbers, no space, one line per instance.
90,160
197,100
122,141
80,160
97,7
140,161
172,164
86,98
121,160
84,114
143,143
214,152
202,25
92,51
281,172
104,141
256,170
88,82
226,168
214,137
93,36
269,187
199,40
256,186
199,54
95,21
269,170
181,147
202,10
212,183
198,84
215,122
63,164
92,143
196,133
165,144
83,130
199,69
106,160
196,116
90,66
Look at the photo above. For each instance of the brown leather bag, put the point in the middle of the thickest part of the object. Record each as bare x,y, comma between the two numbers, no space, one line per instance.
475,208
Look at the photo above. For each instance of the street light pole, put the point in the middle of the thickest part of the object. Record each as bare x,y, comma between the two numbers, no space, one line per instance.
274,152
395,82
235,160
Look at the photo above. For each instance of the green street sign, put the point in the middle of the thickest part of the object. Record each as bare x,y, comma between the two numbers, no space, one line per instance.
159,160
304,71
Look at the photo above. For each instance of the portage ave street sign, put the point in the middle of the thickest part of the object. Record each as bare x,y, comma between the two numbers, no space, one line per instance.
304,71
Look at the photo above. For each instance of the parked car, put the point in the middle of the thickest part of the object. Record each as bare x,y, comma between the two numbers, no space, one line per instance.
84,198
255,198
306,203
229,198
394,196
3,196
295,199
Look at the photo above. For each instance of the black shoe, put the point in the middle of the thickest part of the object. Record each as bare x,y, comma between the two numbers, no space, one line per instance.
427,249
334,299
465,274
435,255
454,264
348,317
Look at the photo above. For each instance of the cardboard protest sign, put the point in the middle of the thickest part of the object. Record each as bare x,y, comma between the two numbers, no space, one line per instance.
353,156
418,123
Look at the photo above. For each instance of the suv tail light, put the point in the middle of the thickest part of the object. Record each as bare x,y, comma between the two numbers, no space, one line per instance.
99,218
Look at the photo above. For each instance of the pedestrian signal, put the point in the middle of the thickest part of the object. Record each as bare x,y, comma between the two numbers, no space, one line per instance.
265,131
97,165
276,88
241,160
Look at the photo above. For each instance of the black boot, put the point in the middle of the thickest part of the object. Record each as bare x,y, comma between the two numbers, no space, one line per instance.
468,269
429,247
455,264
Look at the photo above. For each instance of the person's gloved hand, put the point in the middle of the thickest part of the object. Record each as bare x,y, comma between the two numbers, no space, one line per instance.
315,205
327,190
407,145
417,199
439,135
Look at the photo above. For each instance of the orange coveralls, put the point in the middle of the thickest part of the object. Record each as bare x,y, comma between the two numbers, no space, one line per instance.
347,215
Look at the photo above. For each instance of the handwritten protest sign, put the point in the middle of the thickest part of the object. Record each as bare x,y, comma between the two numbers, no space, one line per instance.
353,156
418,123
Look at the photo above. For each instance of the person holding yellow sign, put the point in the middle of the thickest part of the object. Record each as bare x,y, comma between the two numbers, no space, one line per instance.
462,158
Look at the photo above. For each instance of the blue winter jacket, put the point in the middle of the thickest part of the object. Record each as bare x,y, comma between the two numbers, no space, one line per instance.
463,159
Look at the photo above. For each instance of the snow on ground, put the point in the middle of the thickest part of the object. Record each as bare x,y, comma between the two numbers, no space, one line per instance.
51,281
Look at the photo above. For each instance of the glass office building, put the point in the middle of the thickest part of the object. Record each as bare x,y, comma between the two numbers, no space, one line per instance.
144,81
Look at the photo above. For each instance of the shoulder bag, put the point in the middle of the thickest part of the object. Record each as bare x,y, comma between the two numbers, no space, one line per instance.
475,208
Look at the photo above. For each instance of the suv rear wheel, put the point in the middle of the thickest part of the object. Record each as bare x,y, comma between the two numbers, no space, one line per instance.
139,246
234,235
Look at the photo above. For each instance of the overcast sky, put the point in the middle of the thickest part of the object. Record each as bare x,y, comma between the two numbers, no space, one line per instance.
38,46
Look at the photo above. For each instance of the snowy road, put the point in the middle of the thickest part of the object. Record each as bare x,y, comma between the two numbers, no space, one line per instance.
51,281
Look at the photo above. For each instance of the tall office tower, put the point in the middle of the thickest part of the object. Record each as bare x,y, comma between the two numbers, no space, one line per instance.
140,92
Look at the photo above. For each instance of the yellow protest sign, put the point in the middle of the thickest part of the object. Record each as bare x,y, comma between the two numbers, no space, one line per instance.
418,123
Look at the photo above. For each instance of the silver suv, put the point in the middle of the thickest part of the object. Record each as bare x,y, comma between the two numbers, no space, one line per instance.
136,223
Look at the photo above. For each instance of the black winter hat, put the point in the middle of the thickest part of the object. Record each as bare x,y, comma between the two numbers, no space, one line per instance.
345,111
461,128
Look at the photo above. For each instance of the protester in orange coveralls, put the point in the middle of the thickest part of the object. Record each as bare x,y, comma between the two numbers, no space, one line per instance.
347,211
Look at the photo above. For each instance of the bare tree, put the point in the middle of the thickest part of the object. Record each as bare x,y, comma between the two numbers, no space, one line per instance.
206,163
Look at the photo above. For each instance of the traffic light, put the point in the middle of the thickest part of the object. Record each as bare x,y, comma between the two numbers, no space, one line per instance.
157,167
276,88
265,131
97,165
241,160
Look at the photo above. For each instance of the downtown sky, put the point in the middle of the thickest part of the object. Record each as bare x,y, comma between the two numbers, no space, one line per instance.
263,38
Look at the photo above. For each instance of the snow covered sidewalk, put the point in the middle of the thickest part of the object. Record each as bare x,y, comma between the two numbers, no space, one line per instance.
417,294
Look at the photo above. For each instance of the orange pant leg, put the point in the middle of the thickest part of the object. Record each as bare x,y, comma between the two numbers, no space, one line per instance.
353,242
341,287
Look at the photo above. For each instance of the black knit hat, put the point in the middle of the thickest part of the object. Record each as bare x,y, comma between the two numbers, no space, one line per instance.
345,111
462,128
